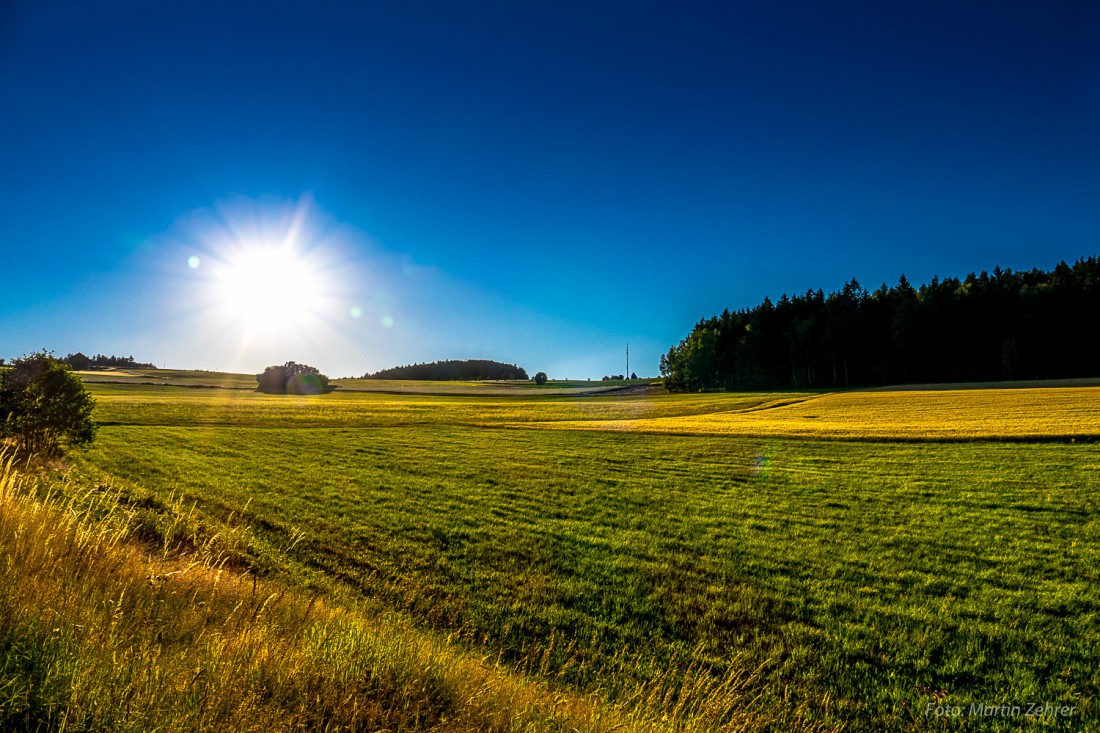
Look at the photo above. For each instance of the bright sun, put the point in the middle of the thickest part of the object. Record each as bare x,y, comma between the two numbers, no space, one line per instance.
269,289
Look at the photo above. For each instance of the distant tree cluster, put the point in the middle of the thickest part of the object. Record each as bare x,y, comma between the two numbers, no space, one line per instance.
44,407
443,371
1004,325
613,377
293,378
82,363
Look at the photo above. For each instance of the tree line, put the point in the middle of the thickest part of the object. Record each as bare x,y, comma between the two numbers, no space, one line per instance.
81,363
443,371
1001,326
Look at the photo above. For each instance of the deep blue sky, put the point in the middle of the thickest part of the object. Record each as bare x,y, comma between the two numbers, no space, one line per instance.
537,182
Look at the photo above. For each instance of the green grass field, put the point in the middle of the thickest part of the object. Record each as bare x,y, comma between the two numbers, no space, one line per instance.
850,558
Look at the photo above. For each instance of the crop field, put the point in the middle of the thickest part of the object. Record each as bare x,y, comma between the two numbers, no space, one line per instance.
170,377
138,404
861,561
229,380
987,414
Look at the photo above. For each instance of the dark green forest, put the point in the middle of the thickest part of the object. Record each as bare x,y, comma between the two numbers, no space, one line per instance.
1000,326
442,371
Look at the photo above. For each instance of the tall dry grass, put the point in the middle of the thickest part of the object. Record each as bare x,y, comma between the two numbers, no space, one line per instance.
102,630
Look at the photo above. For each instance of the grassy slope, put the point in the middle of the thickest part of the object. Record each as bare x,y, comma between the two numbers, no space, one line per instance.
879,576
863,580
98,632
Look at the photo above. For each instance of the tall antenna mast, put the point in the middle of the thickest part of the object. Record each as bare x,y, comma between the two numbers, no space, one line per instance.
627,375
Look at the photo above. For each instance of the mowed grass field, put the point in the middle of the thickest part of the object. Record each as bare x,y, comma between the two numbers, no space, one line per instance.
857,556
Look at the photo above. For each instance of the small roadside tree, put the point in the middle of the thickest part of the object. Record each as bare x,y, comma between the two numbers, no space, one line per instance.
540,378
44,407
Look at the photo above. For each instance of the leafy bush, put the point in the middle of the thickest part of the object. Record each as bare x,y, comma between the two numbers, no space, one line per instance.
44,407
292,378
540,378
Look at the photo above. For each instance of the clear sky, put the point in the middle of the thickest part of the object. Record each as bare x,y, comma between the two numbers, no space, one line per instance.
359,185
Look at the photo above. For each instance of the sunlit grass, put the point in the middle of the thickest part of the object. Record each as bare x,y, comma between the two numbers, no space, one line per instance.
899,553
141,405
989,414
100,631
170,377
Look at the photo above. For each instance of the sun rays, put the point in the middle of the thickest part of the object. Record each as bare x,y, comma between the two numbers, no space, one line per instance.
267,278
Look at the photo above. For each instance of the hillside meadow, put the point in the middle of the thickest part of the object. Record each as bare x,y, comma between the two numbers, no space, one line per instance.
759,561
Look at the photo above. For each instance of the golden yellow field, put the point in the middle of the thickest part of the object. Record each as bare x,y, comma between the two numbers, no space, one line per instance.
1009,413
965,414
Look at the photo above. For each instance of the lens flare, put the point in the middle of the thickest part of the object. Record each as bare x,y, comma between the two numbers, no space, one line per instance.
761,462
